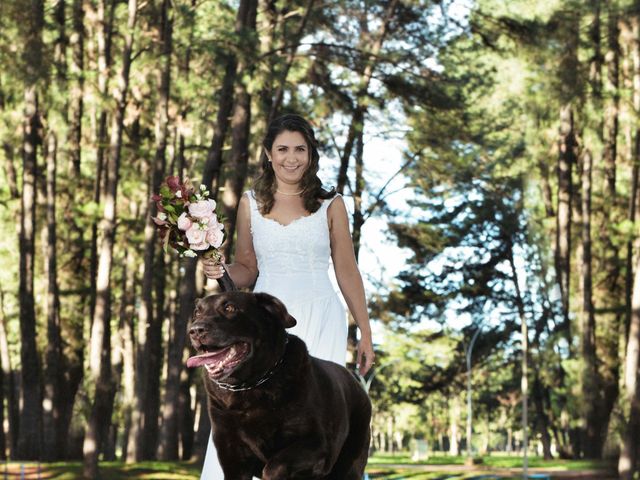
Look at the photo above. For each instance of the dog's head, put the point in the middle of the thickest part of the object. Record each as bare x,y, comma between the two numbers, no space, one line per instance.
237,335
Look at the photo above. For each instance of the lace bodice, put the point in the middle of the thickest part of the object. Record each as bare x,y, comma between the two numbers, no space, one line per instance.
299,251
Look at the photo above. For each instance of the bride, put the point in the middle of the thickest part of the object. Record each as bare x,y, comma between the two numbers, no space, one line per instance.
288,229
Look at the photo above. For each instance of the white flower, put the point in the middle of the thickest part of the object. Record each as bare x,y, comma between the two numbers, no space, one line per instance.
179,194
190,253
203,187
162,216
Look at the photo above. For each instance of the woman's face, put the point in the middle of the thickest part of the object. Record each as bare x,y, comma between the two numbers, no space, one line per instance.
289,157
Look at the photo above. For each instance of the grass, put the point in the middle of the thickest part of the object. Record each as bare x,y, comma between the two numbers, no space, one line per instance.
495,461
381,466
108,470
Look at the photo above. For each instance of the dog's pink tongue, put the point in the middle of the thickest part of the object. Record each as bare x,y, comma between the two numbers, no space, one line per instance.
206,358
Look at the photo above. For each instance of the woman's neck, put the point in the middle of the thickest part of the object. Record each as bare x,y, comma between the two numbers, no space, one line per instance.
289,190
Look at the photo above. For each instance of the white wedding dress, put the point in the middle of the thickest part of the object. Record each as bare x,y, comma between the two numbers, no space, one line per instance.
293,261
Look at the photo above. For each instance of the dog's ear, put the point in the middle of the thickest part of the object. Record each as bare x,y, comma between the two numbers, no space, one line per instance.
276,308
197,307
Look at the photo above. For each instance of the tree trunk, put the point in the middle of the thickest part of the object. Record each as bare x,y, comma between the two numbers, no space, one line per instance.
73,353
76,91
149,354
240,131
547,194
566,161
239,162
213,165
611,122
100,347
103,20
30,434
590,383
607,375
10,170
175,352
6,387
357,122
542,419
127,345
524,380
11,176
628,461
268,26
186,416
53,378
60,44
184,71
454,417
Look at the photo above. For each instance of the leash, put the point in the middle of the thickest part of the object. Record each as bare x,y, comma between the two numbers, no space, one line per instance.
239,387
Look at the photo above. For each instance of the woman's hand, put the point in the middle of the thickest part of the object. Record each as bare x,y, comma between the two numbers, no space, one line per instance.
213,269
366,355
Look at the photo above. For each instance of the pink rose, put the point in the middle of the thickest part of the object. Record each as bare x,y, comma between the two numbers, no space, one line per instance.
196,236
184,222
215,235
199,246
202,208
211,219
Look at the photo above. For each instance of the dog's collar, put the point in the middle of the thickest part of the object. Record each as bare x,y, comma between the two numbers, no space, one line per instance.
238,387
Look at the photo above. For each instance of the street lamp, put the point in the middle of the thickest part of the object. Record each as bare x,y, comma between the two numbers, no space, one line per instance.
468,355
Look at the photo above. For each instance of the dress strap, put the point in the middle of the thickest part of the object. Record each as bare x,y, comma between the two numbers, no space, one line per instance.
252,199
327,202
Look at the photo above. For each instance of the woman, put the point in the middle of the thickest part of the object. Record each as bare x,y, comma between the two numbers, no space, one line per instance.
288,227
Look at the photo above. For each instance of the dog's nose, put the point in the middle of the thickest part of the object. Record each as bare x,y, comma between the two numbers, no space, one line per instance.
197,330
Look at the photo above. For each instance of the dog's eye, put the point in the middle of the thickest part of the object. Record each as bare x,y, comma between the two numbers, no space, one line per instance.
229,308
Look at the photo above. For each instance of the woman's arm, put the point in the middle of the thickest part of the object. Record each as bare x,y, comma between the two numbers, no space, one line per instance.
244,270
350,280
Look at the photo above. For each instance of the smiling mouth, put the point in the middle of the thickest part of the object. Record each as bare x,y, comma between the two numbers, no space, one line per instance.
220,361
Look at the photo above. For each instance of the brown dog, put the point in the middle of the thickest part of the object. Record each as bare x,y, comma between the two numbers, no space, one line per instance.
276,412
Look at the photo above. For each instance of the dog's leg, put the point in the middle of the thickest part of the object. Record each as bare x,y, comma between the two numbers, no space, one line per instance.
308,460
237,461
354,454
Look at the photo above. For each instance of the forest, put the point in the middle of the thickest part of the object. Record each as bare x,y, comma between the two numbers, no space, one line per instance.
515,133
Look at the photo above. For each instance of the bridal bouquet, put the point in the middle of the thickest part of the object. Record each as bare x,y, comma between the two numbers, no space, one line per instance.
188,223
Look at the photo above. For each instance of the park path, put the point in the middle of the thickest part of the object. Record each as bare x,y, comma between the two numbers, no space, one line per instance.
26,472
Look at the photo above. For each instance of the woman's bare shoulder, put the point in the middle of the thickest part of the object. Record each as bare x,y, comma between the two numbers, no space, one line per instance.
336,205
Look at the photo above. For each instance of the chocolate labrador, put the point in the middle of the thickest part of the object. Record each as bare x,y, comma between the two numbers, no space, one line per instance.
276,412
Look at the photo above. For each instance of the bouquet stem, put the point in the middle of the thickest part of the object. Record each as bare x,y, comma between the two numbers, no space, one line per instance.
225,282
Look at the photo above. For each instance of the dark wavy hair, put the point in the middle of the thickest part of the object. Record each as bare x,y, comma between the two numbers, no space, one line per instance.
265,185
